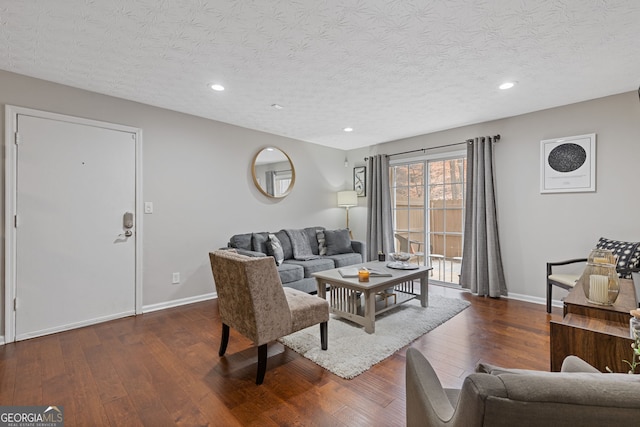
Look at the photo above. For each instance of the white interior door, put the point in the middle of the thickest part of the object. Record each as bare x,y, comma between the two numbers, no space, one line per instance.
74,265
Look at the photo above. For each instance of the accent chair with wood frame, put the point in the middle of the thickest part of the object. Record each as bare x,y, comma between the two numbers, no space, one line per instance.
564,281
627,253
252,300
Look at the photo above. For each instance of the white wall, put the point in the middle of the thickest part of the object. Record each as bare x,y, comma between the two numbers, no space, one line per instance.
197,174
536,228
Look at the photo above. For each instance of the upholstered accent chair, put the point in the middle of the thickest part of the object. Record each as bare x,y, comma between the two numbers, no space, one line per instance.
252,301
580,395
627,253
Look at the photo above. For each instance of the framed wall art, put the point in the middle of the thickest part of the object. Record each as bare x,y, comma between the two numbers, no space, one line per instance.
359,180
568,165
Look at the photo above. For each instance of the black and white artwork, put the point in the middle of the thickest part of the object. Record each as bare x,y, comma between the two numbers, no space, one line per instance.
359,180
568,164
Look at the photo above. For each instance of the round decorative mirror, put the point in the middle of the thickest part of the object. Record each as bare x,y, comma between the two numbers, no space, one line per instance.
273,172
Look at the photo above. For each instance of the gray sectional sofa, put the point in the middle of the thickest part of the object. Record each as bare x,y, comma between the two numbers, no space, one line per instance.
300,252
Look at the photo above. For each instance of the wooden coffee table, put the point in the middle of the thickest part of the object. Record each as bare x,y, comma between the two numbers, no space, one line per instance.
380,294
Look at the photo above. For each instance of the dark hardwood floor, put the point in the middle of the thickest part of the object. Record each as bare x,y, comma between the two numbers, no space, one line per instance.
163,369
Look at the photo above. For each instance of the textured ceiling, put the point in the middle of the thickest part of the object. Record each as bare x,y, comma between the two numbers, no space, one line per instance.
389,69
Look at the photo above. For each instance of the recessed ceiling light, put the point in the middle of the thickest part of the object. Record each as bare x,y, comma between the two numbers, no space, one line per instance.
348,129
217,87
277,106
507,85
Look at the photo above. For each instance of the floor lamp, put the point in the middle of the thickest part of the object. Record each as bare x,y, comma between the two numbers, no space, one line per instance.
347,199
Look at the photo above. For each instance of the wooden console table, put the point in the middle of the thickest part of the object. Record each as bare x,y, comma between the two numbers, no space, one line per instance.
598,334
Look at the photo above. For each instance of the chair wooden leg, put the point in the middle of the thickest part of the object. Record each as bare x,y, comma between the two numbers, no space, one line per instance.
224,341
262,363
324,335
549,297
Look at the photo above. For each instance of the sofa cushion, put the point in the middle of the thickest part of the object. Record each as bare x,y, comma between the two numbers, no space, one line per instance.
307,285
241,241
569,364
246,252
313,265
571,387
338,241
306,311
344,260
286,244
322,245
259,242
487,368
311,233
628,254
586,372
301,245
274,248
290,273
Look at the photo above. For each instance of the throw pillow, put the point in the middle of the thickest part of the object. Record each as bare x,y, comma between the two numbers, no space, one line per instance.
322,245
338,242
241,241
275,249
286,243
313,241
636,282
259,242
628,254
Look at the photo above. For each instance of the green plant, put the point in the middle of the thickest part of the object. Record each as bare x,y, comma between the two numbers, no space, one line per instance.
635,359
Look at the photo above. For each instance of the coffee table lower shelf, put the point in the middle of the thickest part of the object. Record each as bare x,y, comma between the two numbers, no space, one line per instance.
353,302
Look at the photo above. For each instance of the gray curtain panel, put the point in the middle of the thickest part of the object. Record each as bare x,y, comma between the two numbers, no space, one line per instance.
482,271
270,178
379,213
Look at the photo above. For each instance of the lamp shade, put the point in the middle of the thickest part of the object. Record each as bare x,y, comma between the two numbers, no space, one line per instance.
347,199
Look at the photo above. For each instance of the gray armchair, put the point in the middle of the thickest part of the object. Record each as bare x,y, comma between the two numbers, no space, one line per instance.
252,301
578,396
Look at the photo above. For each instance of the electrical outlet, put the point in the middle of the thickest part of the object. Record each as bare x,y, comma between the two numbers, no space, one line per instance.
176,278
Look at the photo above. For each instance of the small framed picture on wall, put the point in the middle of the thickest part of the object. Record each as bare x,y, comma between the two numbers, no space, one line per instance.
359,180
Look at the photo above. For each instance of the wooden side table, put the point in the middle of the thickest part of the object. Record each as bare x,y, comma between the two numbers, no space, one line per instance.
598,334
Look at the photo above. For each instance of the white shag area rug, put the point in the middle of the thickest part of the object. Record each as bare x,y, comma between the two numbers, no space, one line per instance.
352,351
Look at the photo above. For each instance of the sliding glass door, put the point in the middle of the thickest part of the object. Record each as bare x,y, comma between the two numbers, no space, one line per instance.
428,209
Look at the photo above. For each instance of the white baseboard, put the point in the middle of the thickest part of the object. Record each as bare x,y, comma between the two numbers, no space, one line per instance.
74,325
145,309
534,300
178,302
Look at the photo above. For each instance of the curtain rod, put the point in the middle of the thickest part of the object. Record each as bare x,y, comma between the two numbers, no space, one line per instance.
496,138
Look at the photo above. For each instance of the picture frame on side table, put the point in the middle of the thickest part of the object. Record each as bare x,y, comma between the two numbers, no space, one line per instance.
568,164
360,180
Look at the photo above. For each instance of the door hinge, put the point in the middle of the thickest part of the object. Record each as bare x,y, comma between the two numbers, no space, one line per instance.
15,304
17,138
15,221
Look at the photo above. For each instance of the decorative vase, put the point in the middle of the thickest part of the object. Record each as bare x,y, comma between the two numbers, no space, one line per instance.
600,279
